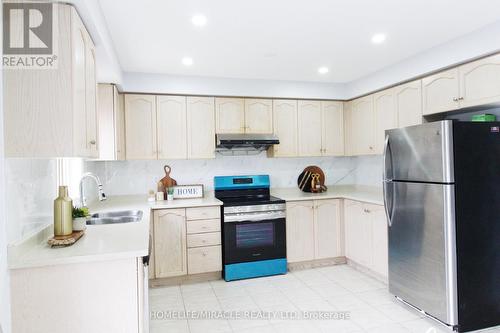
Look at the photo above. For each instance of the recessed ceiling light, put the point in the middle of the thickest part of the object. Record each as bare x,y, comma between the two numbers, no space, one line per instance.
378,38
187,61
323,70
199,20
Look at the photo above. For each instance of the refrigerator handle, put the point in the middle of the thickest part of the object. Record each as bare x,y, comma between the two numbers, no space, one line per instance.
385,181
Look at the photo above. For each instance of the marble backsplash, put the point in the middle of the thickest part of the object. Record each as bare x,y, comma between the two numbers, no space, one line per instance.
31,184
138,177
31,187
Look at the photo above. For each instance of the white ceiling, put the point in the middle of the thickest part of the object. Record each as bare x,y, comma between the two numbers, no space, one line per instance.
284,39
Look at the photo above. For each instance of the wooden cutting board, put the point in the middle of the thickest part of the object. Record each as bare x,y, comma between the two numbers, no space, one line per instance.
305,178
167,181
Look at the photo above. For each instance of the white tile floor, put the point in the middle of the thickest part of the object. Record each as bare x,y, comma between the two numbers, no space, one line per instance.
337,288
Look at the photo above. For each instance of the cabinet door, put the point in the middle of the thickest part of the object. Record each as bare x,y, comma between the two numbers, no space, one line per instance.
79,89
348,150
119,125
327,239
379,235
200,127
171,127
285,127
258,115
91,100
358,238
140,127
332,132
480,82
170,242
204,259
309,128
106,106
299,231
384,106
362,126
230,115
409,103
440,92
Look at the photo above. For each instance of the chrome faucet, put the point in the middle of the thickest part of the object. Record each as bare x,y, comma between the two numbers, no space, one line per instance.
100,191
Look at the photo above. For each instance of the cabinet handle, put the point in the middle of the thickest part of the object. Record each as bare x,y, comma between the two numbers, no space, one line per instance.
92,142
371,147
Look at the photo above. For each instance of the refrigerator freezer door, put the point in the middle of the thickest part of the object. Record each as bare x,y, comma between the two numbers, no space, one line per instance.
422,265
422,153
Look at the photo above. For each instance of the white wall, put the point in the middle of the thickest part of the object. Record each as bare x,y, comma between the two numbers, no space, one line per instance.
475,44
4,273
195,85
138,177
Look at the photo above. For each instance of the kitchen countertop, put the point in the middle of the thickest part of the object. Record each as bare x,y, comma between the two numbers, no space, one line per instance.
369,194
100,242
126,240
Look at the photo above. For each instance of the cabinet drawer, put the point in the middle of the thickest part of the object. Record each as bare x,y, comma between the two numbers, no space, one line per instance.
202,213
207,239
199,226
204,259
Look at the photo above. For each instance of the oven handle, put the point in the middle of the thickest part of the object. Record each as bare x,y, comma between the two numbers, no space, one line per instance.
254,217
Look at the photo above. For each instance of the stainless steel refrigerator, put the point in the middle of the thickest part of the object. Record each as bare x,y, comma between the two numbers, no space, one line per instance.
442,198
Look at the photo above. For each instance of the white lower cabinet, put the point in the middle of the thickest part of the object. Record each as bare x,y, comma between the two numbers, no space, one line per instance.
204,259
99,296
366,235
186,241
170,242
313,230
299,231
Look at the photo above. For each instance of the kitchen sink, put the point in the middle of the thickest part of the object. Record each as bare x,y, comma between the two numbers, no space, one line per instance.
124,216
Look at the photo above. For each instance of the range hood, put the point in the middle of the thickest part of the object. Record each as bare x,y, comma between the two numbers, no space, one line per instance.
232,144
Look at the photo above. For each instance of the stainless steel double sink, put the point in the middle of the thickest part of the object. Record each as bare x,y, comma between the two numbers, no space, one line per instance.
123,216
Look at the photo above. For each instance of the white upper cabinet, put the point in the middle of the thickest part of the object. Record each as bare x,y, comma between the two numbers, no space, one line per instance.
111,123
309,128
200,127
440,92
480,82
470,85
361,126
140,129
258,115
285,128
230,115
171,127
119,125
332,133
409,103
52,112
91,99
384,105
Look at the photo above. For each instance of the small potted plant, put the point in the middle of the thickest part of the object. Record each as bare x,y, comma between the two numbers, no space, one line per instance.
80,218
